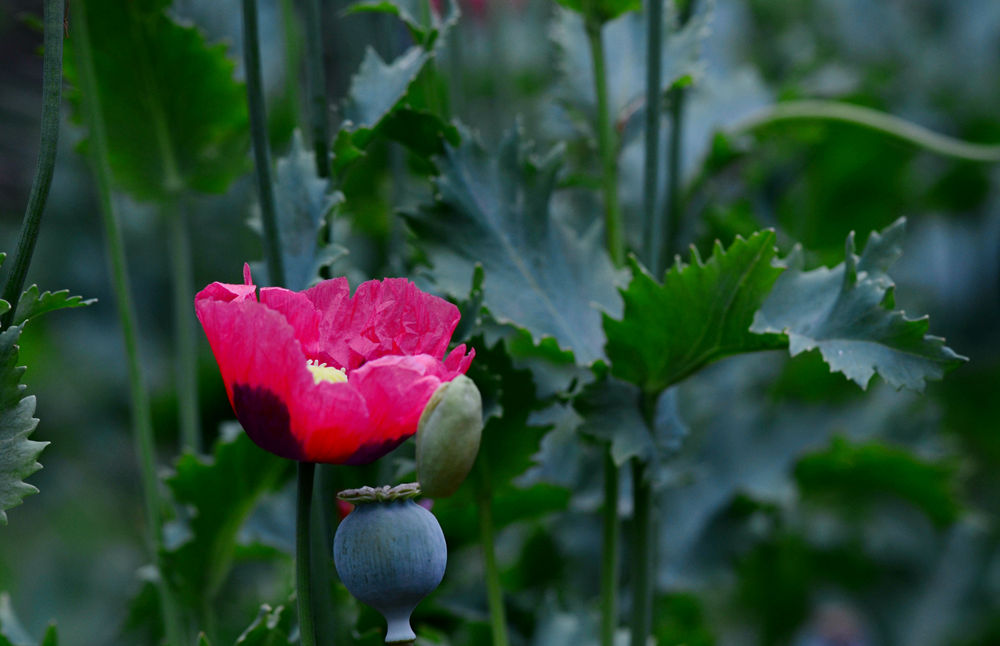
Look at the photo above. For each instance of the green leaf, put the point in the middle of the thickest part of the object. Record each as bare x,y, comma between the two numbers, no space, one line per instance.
425,26
271,627
612,411
32,304
18,454
175,116
220,493
378,86
604,10
538,274
847,313
853,474
304,200
700,313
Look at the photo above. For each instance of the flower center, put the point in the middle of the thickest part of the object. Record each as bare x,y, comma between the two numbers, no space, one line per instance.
322,372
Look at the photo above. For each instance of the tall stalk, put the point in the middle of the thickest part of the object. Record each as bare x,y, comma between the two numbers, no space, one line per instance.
318,117
184,332
609,552
51,101
142,425
653,216
677,99
606,143
616,249
642,556
494,593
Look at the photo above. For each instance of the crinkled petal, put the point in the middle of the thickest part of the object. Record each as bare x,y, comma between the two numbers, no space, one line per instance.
396,389
406,320
341,321
301,314
457,362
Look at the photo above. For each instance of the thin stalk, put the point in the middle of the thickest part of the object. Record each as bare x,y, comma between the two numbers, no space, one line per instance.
261,148
494,594
318,117
142,425
606,143
873,119
322,549
303,544
185,344
653,216
292,36
678,96
642,561
609,553
51,101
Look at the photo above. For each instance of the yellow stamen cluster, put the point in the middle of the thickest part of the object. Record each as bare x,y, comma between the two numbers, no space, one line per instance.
322,372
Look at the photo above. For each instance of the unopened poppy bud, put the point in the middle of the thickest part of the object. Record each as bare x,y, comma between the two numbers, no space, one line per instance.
448,437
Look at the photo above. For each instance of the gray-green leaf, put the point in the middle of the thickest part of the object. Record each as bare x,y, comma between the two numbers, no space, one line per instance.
494,210
32,304
18,454
847,313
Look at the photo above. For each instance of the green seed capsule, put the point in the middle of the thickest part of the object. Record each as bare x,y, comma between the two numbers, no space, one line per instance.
448,437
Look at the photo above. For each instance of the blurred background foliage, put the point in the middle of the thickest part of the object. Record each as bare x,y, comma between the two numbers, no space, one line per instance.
798,509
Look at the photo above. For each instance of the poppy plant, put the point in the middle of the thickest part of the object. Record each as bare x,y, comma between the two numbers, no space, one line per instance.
324,376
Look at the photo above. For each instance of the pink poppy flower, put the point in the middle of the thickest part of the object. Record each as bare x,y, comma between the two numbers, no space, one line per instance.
323,376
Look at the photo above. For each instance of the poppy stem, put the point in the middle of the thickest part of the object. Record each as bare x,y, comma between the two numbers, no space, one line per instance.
261,148
653,217
303,544
142,425
185,344
606,144
318,117
494,593
678,96
642,555
609,553
51,101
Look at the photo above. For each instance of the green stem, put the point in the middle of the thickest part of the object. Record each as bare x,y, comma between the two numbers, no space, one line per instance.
261,148
184,331
317,87
51,101
678,95
642,561
606,143
142,426
609,553
494,594
873,119
653,216
303,543
673,215
320,574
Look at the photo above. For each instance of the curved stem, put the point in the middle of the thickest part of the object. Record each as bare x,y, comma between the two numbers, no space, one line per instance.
261,148
606,143
494,593
51,101
874,120
653,217
317,87
142,425
185,344
609,553
303,544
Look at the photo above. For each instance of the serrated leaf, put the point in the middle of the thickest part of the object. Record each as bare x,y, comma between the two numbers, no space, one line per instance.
32,304
303,200
175,116
271,627
378,86
700,313
625,54
538,275
846,312
220,493
612,411
604,10
18,454
424,24
852,474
